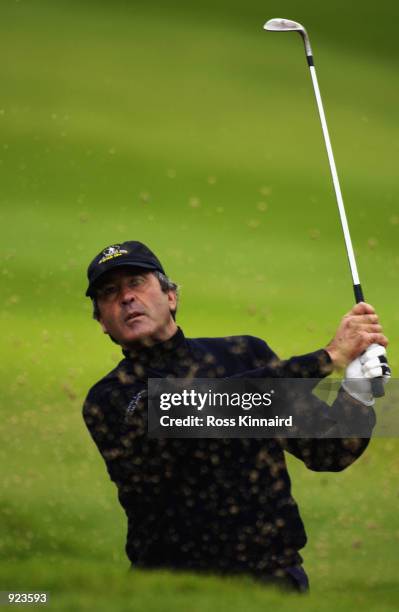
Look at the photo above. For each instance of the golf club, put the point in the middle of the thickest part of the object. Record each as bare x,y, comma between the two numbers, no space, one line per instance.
287,25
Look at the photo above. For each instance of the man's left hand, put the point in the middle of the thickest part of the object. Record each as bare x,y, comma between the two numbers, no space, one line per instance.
371,364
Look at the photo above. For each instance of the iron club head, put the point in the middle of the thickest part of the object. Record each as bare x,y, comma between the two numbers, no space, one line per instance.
287,25
282,25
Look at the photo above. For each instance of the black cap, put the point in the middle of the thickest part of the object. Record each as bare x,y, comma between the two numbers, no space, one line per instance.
130,253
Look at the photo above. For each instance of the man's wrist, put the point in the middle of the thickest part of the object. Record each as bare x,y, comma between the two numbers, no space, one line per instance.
338,362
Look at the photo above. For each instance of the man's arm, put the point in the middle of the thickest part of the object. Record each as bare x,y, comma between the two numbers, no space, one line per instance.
347,418
339,443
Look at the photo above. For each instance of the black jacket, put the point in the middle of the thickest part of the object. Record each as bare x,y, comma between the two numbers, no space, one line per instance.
214,504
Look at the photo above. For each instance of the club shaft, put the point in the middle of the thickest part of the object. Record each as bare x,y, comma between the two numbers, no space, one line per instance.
337,188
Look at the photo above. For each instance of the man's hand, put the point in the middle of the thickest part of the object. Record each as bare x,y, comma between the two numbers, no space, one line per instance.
372,363
358,329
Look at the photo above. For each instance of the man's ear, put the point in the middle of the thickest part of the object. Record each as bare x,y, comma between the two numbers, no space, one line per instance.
172,300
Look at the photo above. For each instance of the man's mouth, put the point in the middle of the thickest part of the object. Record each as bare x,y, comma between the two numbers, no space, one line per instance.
132,316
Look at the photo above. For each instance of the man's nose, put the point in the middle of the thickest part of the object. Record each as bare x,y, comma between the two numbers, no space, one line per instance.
127,294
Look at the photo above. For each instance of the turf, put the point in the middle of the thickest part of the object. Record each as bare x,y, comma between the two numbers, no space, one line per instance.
189,128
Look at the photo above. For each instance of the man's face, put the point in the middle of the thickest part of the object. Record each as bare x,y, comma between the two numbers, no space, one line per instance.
133,308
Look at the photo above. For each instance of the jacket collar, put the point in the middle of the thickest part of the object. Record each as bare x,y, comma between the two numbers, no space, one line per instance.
157,353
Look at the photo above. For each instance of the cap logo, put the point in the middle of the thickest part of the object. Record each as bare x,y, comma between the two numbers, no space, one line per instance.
111,252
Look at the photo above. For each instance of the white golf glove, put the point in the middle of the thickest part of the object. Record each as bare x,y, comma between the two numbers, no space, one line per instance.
371,364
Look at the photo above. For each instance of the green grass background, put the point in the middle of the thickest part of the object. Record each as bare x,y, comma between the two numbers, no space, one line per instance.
186,126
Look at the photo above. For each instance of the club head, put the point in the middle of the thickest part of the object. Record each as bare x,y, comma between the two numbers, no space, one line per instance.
283,25
287,25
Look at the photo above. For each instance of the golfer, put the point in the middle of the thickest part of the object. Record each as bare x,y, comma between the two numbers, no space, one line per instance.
217,505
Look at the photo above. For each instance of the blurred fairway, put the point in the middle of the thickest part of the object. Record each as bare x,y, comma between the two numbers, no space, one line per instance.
187,127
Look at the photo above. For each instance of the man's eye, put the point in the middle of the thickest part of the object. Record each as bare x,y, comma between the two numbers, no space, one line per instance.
108,290
135,281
